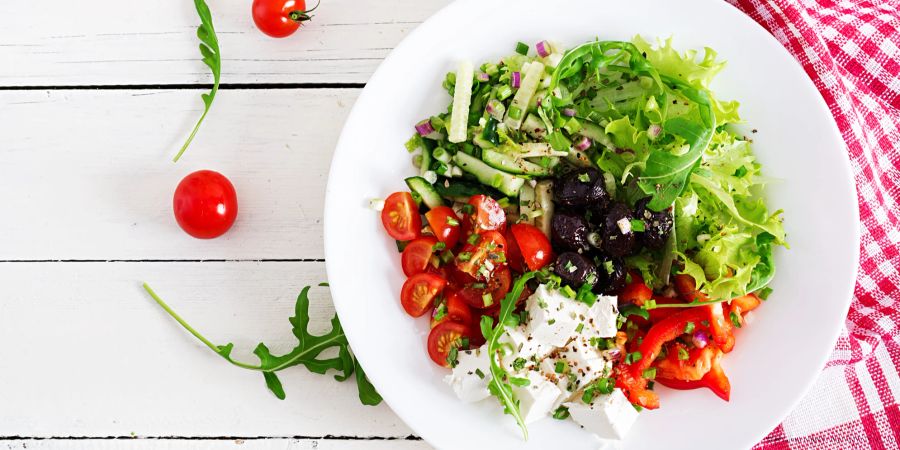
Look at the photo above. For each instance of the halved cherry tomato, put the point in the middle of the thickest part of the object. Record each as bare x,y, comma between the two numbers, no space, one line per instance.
473,292
513,254
419,291
482,258
444,337
715,380
400,217
457,308
487,215
635,292
533,244
445,225
416,256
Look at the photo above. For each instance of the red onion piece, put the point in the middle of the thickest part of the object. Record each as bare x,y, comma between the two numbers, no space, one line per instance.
583,144
483,77
424,127
654,130
612,354
569,112
543,48
515,79
700,339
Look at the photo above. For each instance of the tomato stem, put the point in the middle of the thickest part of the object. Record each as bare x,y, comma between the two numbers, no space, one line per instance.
301,16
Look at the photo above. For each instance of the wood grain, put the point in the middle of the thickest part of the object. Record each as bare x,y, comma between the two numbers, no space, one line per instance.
85,352
155,43
88,174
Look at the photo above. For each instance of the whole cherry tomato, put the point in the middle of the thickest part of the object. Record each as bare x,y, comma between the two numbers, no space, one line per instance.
205,204
280,18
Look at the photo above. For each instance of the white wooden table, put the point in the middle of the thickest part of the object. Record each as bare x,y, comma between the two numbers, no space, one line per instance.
95,98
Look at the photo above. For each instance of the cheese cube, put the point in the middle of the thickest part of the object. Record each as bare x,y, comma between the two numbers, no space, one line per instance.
602,316
471,375
581,364
537,399
608,416
553,317
524,346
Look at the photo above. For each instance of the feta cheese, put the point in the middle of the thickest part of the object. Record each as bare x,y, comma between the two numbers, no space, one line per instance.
538,398
471,375
583,363
624,225
523,346
608,416
602,317
553,317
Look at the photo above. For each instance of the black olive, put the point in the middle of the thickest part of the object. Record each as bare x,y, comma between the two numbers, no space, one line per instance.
569,231
612,276
657,225
616,243
575,269
582,188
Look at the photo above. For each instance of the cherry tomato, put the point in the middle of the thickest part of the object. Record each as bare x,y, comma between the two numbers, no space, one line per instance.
445,225
487,215
457,309
533,245
513,254
419,291
205,204
416,257
635,292
473,293
444,337
482,254
280,18
400,217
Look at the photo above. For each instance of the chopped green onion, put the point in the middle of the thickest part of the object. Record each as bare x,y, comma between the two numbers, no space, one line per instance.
515,113
560,367
465,256
487,299
503,92
452,222
584,178
579,327
637,225
522,48
453,356
683,354
519,363
764,293
438,246
561,413
568,292
551,321
649,373
689,328
474,238
479,373
736,319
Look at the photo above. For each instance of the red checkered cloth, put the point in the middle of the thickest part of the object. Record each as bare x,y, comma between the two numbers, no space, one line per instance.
851,50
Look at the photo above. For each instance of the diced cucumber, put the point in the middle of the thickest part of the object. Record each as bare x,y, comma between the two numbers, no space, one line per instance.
512,164
597,133
425,190
543,199
526,204
462,95
578,158
519,105
506,183
534,126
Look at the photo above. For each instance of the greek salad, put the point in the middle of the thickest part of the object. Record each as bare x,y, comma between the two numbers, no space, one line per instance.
587,225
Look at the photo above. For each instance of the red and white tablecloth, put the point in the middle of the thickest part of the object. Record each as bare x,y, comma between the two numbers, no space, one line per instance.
851,50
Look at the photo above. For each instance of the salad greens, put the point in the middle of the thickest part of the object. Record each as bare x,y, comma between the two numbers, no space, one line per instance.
307,352
209,49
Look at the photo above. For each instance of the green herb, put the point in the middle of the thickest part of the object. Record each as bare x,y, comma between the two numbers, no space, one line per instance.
637,225
453,356
464,256
649,373
579,327
467,209
736,319
438,246
209,49
683,354
474,238
585,295
498,385
401,245
561,413
487,299
560,367
568,292
478,285
584,178
519,363
689,328
521,382
479,373
631,310
452,222
551,321
522,48
633,357
764,293
307,352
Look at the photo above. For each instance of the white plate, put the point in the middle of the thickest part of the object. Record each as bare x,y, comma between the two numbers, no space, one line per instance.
776,358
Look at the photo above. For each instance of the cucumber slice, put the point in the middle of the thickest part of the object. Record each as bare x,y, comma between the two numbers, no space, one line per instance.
519,105
534,126
578,158
462,95
512,164
526,204
460,191
425,190
543,199
597,133
506,183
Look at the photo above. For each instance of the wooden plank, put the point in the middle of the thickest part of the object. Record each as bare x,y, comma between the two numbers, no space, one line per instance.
88,174
229,444
155,42
85,352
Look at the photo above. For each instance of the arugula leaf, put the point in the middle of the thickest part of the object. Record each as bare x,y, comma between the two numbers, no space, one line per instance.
209,49
306,353
500,385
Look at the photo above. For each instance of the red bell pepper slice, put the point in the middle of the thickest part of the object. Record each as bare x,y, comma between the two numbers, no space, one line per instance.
635,292
714,380
721,327
664,331
745,304
635,388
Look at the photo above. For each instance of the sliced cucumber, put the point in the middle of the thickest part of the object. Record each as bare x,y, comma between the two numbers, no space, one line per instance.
534,126
597,133
526,204
425,190
578,158
543,199
462,95
519,105
511,164
506,183
460,190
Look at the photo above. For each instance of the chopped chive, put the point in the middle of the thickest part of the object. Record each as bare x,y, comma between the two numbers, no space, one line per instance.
474,238
452,222
683,354
560,367
638,225
579,327
479,373
689,328
464,256
561,413
649,373
522,48
438,246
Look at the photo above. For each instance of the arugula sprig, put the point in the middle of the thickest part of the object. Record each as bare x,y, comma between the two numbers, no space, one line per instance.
307,352
209,49
500,385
